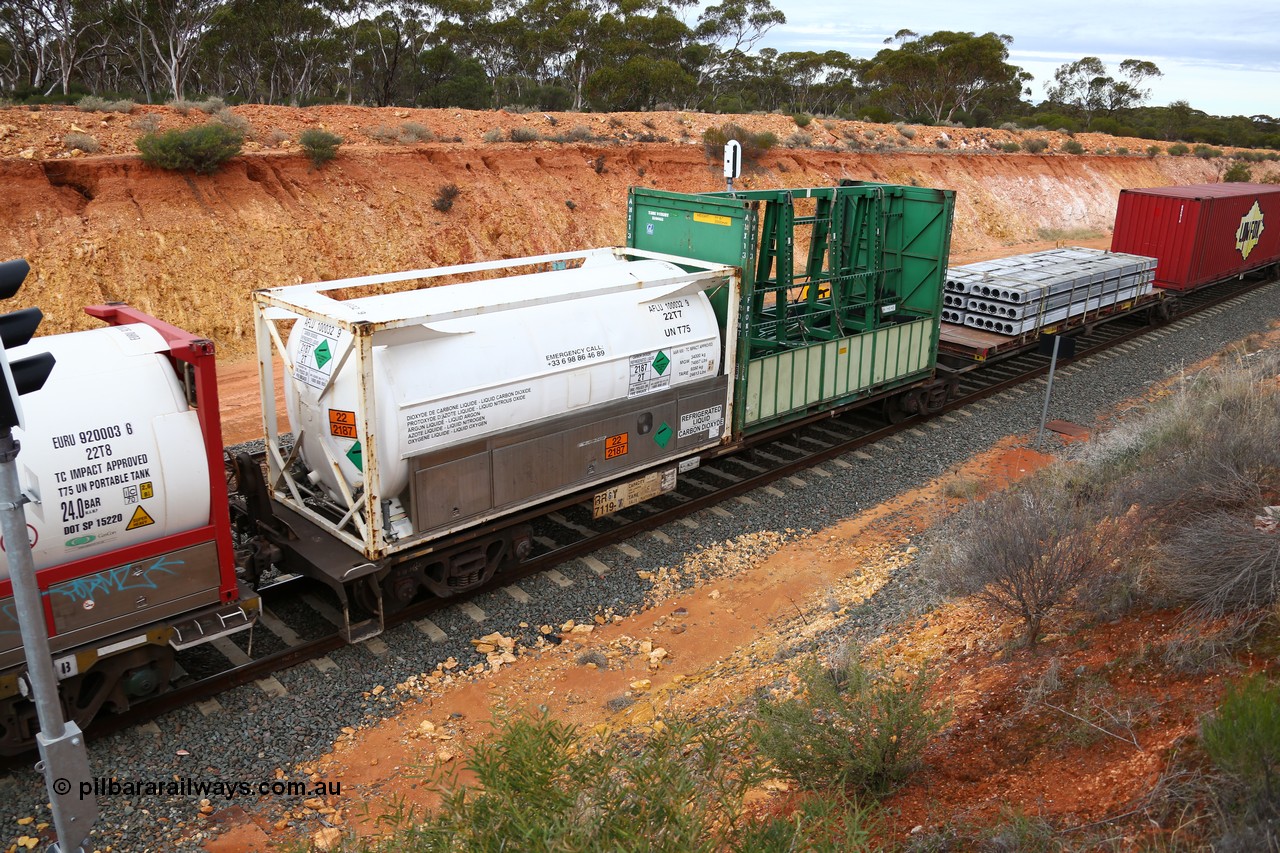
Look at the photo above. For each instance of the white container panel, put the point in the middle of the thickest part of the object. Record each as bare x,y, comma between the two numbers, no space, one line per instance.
112,455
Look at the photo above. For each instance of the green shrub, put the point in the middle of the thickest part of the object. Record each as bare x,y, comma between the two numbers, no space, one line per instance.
1177,149
1207,152
1071,146
444,198
753,144
1243,737
201,149
1035,145
541,785
1153,150
319,145
1122,151
523,134
801,119
81,142
94,104
1010,147
851,726
1238,173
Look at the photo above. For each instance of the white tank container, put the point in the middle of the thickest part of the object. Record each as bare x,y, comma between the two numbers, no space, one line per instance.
112,455
522,349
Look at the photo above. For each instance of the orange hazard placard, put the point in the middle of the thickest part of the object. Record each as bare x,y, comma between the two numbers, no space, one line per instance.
615,445
342,424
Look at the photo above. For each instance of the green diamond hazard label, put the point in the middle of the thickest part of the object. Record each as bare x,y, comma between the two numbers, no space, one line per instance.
356,456
648,372
662,435
323,355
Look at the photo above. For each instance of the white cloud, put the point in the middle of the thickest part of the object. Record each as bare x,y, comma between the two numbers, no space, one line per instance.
1217,60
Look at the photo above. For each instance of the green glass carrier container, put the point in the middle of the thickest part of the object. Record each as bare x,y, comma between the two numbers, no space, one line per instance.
841,286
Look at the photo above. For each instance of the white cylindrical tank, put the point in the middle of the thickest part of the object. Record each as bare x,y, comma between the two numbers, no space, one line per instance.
111,455
505,353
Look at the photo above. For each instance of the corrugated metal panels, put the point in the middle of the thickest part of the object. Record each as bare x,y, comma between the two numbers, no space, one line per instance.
1200,233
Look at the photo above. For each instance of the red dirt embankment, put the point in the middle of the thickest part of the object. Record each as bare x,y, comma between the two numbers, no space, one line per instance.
189,248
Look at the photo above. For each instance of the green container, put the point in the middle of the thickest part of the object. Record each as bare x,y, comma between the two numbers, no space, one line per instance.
842,286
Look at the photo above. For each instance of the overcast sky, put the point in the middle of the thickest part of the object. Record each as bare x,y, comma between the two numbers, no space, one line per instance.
1222,57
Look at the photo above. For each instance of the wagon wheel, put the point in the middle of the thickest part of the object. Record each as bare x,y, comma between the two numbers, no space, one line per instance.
893,411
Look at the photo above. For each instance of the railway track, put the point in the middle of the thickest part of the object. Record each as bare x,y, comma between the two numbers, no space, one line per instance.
300,624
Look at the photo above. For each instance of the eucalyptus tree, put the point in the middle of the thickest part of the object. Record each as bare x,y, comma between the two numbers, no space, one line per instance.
170,32
270,51
728,32
933,77
27,58
646,53
1086,87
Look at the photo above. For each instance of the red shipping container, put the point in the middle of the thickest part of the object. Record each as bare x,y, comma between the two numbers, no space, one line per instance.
1200,233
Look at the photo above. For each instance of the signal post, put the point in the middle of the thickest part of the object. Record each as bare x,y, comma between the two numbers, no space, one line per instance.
63,758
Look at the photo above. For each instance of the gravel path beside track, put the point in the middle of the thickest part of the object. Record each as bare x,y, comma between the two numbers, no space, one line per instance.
254,734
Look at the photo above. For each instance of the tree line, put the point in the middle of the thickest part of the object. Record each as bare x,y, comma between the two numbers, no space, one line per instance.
601,55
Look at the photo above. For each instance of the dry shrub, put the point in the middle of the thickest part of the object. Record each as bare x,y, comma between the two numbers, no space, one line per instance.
147,124
94,104
412,131
81,142
406,134
1222,564
1025,550
444,198
799,139
237,123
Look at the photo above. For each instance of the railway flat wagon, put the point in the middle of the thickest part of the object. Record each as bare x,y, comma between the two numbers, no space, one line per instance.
1201,233
430,424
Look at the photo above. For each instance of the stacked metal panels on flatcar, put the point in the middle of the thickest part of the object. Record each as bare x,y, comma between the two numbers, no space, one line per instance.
1010,296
